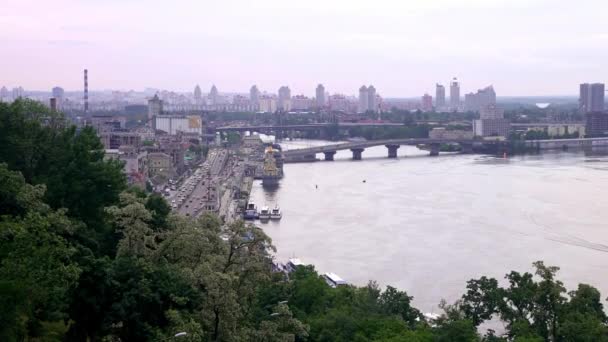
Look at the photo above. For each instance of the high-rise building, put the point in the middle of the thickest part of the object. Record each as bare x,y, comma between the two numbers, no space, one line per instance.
372,104
213,95
17,93
597,97
427,103
491,122
58,92
267,104
155,108
591,98
284,102
486,97
86,91
482,98
3,94
470,102
320,94
339,102
198,95
439,96
53,104
254,95
596,124
301,103
583,97
363,99
454,94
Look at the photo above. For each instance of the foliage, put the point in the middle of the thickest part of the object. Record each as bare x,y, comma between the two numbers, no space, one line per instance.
36,262
535,306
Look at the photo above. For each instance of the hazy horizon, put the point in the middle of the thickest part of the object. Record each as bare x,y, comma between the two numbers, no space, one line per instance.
522,47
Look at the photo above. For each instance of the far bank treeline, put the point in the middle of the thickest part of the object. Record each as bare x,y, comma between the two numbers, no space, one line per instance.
85,258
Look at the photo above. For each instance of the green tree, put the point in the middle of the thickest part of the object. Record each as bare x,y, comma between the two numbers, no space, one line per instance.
130,219
453,325
481,300
160,210
37,269
41,145
395,302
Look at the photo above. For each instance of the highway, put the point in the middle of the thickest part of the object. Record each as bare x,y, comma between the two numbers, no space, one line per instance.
200,192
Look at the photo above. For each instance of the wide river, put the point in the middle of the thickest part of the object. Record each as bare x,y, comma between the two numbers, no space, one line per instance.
428,224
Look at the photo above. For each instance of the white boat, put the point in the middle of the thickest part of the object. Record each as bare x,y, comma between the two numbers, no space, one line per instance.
251,211
264,213
334,280
275,214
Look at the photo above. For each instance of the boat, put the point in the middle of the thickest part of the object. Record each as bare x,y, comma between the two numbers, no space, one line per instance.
334,280
271,172
264,213
275,213
251,211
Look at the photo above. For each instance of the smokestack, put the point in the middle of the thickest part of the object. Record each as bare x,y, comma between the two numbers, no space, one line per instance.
86,91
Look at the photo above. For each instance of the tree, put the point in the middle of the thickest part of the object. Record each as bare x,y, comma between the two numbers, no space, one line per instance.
584,318
453,326
481,299
68,162
37,269
395,302
280,326
130,219
537,310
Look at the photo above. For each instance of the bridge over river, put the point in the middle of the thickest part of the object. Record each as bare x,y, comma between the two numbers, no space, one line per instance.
434,145
357,148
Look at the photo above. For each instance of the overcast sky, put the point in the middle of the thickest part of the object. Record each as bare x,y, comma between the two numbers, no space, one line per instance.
403,47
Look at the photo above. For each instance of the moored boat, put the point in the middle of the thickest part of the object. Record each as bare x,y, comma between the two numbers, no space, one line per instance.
264,213
251,211
275,213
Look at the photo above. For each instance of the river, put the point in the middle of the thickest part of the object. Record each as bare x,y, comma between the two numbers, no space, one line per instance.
428,224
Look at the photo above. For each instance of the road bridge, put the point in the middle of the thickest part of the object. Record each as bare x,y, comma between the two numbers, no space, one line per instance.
392,145
434,145
313,126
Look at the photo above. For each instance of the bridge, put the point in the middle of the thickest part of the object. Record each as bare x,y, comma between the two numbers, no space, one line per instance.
313,126
467,146
357,148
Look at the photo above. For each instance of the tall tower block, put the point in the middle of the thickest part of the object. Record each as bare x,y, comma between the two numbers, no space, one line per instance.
86,91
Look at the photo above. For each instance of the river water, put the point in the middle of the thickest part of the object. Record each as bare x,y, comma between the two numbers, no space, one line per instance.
428,224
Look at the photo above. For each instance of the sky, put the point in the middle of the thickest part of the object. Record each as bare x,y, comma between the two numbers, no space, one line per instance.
402,47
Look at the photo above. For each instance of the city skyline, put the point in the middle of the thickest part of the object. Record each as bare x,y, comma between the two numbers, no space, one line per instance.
426,42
